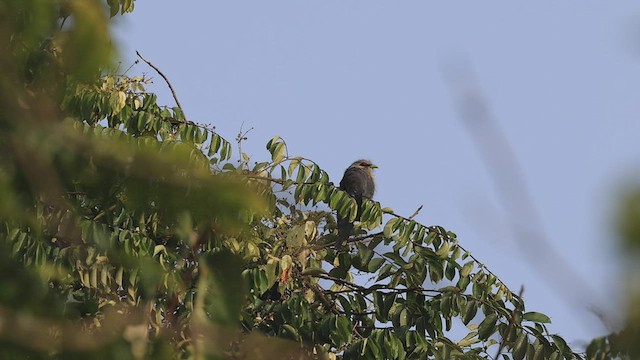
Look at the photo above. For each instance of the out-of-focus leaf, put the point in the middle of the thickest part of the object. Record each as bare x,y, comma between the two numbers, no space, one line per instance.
225,288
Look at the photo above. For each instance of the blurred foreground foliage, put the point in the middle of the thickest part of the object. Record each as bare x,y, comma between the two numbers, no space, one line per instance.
128,233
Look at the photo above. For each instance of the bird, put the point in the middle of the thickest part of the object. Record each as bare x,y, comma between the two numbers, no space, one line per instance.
359,183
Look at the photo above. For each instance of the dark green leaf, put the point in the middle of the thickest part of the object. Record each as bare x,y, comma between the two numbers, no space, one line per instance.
374,265
487,327
470,311
536,317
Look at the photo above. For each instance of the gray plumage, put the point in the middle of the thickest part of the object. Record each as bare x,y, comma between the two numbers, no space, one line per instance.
358,182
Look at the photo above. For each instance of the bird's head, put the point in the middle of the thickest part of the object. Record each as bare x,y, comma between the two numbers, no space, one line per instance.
364,164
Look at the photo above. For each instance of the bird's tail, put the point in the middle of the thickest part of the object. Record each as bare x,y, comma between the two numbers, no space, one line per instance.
345,228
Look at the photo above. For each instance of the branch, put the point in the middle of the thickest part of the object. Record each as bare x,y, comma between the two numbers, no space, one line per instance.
173,92
341,282
415,213
277,180
290,158
376,287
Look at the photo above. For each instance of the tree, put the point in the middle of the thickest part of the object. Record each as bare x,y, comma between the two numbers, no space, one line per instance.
128,231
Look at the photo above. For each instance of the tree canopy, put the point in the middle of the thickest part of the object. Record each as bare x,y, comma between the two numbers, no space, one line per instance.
128,231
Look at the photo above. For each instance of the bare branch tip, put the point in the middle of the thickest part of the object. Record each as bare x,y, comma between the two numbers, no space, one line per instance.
416,212
173,92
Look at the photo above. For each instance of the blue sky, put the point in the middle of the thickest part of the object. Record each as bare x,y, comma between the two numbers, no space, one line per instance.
344,80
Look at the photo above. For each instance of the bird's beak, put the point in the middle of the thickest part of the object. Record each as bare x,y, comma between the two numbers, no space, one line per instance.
373,166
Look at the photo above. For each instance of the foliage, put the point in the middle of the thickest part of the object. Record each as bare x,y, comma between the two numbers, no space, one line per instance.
128,232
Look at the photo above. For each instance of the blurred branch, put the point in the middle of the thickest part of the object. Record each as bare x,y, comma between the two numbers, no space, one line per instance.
510,185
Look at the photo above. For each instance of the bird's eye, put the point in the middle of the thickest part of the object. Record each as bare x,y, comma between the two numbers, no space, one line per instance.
364,164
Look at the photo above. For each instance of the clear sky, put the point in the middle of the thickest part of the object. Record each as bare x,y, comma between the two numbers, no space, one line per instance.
342,80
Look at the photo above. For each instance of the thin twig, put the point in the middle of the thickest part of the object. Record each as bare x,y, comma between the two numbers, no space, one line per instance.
173,92
341,282
242,136
404,217
416,212
131,66
64,19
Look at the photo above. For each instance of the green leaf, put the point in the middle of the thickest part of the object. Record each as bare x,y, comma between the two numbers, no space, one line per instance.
346,305
389,300
313,271
470,311
466,269
378,302
445,306
225,153
556,355
443,251
293,164
386,271
350,207
295,238
272,143
292,332
388,227
536,317
487,327
365,253
278,152
302,174
560,343
375,264
450,270
420,234
335,198
396,258
214,146
158,249
520,347
342,332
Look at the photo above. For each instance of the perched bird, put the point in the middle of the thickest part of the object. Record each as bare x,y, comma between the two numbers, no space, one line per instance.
359,183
